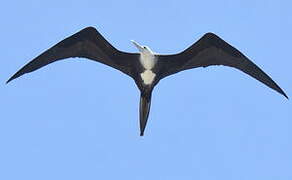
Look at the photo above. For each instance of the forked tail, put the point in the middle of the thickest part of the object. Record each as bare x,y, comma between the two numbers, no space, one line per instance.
145,102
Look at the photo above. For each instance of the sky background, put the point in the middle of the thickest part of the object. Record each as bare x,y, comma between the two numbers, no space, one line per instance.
78,119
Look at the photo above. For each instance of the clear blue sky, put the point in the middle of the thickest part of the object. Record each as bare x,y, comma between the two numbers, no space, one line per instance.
77,119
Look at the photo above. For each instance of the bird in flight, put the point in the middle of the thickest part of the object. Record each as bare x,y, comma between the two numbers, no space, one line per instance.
146,67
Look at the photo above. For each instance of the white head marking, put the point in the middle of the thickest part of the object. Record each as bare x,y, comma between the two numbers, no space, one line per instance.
142,49
148,61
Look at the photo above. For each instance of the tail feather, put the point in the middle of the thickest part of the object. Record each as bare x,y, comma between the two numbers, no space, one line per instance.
145,102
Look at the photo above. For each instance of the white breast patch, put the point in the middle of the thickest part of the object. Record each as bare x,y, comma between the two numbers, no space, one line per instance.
148,60
147,76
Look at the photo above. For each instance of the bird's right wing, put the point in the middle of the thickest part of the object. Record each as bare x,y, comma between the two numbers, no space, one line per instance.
212,50
87,43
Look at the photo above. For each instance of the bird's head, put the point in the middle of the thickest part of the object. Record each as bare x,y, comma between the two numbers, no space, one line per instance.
142,49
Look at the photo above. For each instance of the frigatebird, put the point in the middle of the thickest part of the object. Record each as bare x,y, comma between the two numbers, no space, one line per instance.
146,67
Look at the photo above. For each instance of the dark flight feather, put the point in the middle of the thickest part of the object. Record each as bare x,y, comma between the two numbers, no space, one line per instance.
87,43
212,50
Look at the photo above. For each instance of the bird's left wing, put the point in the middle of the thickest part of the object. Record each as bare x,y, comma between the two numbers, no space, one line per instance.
212,50
87,43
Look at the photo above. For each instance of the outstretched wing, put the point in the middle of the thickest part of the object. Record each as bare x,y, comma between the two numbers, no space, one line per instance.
87,43
212,50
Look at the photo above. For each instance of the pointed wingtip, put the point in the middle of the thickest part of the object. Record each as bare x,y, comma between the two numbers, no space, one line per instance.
10,79
16,75
141,134
282,92
285,96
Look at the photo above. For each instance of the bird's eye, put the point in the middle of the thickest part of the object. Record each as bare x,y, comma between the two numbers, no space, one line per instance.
144,47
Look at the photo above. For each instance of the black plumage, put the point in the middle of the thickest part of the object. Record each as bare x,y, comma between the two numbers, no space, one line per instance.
209,50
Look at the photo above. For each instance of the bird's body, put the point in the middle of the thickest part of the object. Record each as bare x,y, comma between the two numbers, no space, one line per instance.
148,61
146,67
